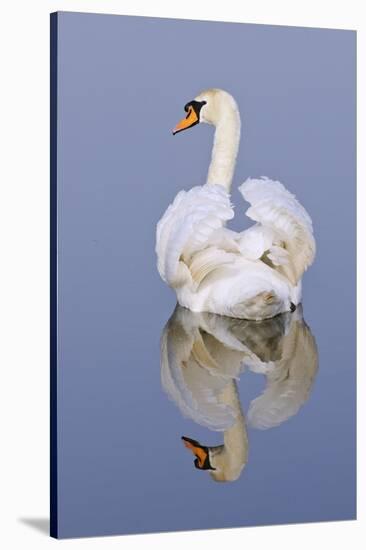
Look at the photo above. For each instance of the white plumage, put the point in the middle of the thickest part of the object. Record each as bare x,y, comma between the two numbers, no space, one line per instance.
255,274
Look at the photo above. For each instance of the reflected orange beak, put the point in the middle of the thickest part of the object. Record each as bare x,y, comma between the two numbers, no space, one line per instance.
190,120
198,450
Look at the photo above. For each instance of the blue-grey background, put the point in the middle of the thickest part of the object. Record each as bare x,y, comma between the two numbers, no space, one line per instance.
122,85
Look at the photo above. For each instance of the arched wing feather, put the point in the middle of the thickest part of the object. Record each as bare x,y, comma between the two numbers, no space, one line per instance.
283,226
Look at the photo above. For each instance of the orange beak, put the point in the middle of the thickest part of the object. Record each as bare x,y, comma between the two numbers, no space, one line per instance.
190,120
196,449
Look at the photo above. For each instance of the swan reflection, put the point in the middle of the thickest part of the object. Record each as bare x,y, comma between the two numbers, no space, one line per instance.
202,358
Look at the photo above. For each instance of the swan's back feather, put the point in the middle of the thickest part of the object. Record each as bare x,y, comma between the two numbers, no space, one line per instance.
277,210
207,260
186,227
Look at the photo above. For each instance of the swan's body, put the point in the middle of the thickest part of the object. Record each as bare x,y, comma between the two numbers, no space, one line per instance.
202,357
255,274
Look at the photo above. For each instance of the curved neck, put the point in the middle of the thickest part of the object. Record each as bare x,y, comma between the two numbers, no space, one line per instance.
225,149
235,438
231,457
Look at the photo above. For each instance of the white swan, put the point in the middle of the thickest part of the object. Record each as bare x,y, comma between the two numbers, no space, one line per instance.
202,357
255,274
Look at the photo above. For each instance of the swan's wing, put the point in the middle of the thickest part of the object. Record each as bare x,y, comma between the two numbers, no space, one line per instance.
289,382
186,228
284,229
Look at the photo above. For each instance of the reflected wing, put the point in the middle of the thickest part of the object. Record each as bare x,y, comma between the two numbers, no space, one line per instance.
191,377
289,383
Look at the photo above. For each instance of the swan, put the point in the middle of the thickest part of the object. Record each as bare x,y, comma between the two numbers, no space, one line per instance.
203,356
254,274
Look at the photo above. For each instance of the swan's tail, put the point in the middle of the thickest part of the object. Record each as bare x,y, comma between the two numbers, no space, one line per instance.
279,212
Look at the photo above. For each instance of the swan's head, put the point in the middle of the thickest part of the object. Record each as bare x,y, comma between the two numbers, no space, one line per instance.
209,106
222,464
202,453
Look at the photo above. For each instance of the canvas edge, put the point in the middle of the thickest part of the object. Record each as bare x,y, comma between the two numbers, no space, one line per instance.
53,276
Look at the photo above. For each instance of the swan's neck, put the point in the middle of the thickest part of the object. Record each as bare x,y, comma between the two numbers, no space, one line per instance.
225,149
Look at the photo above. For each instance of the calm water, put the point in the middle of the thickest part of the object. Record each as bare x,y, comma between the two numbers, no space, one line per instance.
122,465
